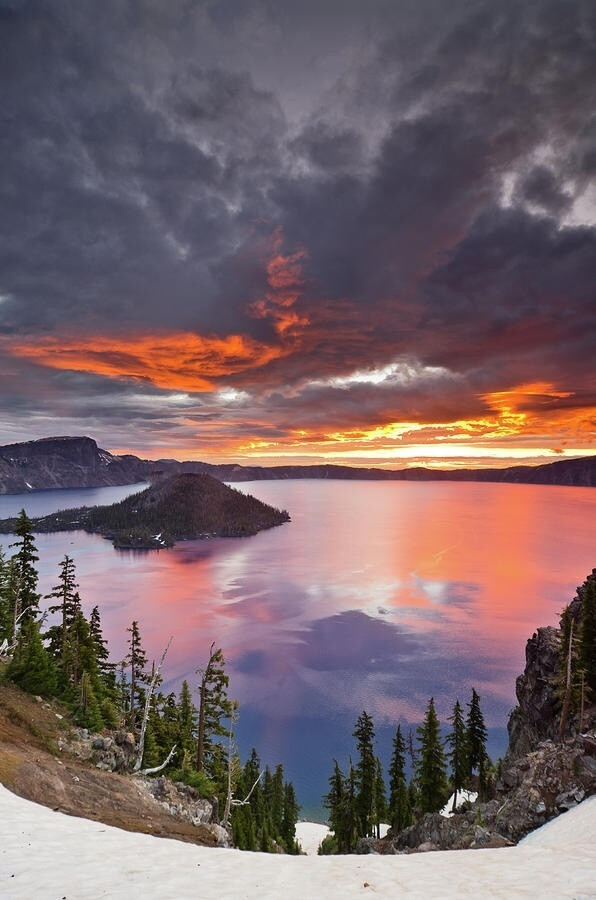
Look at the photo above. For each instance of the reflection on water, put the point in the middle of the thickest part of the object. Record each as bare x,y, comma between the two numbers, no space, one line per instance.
376,596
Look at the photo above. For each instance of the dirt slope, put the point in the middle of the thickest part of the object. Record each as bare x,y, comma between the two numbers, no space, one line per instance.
33,766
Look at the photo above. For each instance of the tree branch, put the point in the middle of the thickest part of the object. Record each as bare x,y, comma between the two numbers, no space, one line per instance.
157,768
247,798
141,749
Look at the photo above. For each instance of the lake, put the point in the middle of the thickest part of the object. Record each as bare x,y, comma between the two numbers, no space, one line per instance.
375,596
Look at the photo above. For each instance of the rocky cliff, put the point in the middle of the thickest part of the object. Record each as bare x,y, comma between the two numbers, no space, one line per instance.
64,462
535,717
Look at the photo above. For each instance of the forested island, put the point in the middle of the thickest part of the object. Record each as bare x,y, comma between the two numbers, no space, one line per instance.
180,507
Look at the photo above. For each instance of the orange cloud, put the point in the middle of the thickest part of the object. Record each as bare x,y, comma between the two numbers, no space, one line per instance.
286,284
179,361
183,360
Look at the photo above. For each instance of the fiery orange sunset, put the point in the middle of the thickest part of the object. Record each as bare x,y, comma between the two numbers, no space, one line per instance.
372,241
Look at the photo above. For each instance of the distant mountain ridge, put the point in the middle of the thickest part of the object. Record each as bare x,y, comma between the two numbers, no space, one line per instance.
71,462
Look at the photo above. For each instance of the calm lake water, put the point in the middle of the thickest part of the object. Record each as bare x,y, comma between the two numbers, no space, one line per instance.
375,596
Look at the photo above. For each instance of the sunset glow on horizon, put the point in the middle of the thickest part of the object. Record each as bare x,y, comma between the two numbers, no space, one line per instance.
359,234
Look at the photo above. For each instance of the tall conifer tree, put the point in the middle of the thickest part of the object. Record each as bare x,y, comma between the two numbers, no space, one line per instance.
430,767
476,736
400,812
458,753
27,596
365,771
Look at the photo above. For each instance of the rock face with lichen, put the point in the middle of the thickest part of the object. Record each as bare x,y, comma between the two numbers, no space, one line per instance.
535,717
532,790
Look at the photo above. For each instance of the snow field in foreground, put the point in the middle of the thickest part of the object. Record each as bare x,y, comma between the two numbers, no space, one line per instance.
46,855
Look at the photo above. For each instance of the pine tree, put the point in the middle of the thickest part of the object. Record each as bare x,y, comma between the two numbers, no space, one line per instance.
587,642
380,799
276,801
341,801
136,660
106,669
5,601
214,706
68,606
458,754
430,768
31,666
65,592
476,736
186,718
365,773
400,811
27,599
289,819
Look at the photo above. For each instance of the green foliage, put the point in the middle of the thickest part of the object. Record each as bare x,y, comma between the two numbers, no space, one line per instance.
587,642
136,660
400,810
26,596
267,821
197,780
214,707
365,774
458,755
476,736
31,666
329,846
6,623
431,774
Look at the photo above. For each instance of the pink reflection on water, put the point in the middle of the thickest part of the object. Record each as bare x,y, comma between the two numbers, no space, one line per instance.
448,580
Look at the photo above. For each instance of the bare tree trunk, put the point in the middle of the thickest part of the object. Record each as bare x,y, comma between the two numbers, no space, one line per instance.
141,749
567,698
233,719
248,796
157,768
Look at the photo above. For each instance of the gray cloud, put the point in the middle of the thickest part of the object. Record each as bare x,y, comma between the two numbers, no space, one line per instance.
430,161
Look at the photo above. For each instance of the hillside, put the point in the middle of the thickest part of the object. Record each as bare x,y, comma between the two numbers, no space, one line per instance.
180,507
39,761
66,462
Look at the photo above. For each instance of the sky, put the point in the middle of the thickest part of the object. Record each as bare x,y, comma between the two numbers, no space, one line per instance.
350,231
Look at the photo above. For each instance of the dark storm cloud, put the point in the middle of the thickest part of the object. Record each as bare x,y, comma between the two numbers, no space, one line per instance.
425,158
517,291
119,200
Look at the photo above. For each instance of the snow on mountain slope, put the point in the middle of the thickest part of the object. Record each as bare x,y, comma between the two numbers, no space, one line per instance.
47,855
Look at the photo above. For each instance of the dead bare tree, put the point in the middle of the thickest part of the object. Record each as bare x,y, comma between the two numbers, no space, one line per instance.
568,691
155,769
233,720
248,796
148,698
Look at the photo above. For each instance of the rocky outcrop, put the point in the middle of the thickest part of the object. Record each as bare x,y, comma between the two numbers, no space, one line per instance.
531,790
117,752
536,717
64,462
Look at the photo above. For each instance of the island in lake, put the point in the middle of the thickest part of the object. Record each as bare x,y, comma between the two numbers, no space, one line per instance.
179,507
